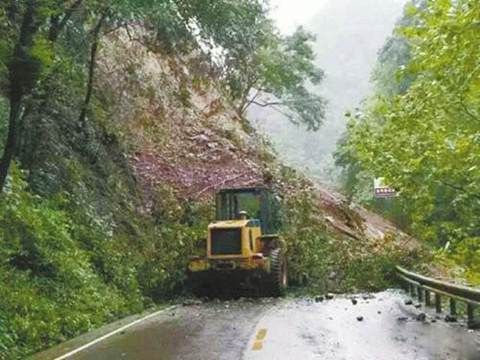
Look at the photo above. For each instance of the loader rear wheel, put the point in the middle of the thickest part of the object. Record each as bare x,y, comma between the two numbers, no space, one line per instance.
278,273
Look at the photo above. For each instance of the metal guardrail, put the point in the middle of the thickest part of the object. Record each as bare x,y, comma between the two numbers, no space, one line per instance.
423,287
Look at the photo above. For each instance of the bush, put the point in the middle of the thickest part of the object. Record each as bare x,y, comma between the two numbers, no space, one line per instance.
50,290
371,273
307,241
327,260
180,227
64,270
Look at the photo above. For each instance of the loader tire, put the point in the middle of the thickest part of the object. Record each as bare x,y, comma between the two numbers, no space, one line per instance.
278,273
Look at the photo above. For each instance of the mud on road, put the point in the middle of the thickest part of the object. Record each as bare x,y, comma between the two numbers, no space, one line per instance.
376,327
371,327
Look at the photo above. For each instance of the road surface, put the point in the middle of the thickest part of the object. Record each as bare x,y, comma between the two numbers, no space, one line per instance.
378,327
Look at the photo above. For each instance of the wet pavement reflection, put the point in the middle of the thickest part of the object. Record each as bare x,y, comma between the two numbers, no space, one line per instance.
369,327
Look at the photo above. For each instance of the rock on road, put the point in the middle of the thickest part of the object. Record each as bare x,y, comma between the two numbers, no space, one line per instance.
377,328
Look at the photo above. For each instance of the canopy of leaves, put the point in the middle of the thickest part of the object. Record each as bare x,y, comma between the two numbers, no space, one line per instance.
285,70
258,63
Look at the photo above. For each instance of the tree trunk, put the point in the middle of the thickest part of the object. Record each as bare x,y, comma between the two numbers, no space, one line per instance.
10,145
23,73
57,25
91,70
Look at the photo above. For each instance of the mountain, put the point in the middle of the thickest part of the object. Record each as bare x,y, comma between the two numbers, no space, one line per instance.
349,35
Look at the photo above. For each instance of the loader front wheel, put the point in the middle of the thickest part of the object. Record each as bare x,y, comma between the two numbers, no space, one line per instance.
278,273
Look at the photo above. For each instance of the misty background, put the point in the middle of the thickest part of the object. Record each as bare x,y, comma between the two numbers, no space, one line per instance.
349,35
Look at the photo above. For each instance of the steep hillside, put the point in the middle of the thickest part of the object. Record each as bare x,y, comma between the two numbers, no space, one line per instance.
180,129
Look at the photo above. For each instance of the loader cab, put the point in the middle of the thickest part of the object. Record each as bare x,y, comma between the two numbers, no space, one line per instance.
249,203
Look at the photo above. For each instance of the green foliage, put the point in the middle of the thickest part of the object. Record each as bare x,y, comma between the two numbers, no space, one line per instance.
463,262
258,64
7,341
279,75
328,261
424,139
308,245
64,272
51,290
372,273
180,227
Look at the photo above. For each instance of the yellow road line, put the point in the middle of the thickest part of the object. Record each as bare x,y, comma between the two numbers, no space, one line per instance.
258,344
261,334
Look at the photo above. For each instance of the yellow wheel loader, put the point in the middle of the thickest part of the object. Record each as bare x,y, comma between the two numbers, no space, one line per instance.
243,253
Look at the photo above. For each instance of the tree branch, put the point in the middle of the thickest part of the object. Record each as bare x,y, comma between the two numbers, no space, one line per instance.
246,104
458,188
91,69
58,25
267,104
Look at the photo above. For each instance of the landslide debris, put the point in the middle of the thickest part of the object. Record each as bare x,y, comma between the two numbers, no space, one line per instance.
182,134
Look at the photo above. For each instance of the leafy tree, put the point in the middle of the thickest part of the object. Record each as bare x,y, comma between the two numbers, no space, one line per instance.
280,76
259,65
388,75
23,65
31,31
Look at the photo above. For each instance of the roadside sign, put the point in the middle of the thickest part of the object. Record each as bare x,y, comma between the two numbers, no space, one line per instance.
381,190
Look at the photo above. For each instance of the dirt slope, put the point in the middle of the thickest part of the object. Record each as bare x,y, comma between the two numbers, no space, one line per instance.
181,130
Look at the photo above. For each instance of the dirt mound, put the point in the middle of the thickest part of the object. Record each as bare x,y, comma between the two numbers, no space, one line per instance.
181,128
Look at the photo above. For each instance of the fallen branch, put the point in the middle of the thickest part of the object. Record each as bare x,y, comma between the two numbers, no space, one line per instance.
343,230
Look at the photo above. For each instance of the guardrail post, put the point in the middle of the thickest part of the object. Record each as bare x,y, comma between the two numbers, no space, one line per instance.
420,293
453,307
471,316
438,303
427,298
423,287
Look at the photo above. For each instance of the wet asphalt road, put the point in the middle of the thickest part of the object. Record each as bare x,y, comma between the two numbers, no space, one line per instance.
291,329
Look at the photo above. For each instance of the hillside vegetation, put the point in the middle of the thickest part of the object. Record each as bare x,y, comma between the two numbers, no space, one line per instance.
119,120
420,131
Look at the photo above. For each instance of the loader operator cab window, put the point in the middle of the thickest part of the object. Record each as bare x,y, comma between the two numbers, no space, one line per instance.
259,203
231,205
248,204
